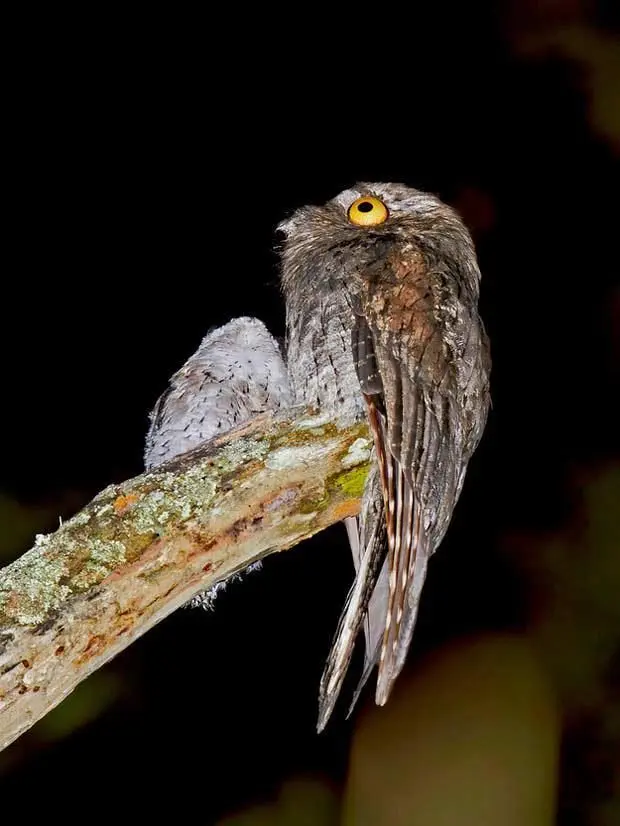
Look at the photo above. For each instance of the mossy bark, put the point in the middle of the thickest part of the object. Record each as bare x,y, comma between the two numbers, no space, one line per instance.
142,548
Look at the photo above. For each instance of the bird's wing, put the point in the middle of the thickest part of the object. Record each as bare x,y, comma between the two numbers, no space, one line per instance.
412,392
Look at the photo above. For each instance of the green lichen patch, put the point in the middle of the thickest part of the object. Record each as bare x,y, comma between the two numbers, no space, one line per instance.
350,482
110,554
92,573
31,587
84,551
234,454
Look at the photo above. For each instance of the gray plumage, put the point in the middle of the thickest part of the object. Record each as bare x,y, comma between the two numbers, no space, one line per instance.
381,287
236,373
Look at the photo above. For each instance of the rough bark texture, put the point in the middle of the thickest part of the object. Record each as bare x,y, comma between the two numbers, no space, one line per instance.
142,548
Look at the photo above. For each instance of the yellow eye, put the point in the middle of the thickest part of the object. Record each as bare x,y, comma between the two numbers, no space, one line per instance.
367,212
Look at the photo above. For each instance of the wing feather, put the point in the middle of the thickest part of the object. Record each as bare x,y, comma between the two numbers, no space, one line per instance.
426,415
415,412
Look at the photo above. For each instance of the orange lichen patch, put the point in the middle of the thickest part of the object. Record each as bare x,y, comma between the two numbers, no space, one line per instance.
345,509
95,645
122,630
122,503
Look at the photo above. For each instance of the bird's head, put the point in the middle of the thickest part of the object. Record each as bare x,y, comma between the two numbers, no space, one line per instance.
365,223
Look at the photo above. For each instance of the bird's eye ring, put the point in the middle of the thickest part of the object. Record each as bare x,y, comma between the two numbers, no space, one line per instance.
367,211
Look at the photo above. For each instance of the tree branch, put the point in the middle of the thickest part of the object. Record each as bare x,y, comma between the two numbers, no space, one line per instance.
141,549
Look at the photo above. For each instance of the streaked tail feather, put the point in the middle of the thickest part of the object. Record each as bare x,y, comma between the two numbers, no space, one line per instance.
368,544
374,629
407,557
409,578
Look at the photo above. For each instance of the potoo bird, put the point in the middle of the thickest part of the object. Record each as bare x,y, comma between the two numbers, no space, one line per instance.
236,373
381,287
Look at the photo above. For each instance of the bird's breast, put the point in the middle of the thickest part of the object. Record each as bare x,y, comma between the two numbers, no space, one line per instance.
320,357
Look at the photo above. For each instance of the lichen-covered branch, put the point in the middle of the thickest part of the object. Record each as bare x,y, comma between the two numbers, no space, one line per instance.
142,548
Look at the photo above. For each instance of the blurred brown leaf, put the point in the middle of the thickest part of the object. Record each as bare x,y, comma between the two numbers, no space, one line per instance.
597,53
470,738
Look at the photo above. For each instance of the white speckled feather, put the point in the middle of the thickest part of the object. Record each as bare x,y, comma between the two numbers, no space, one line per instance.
236,373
